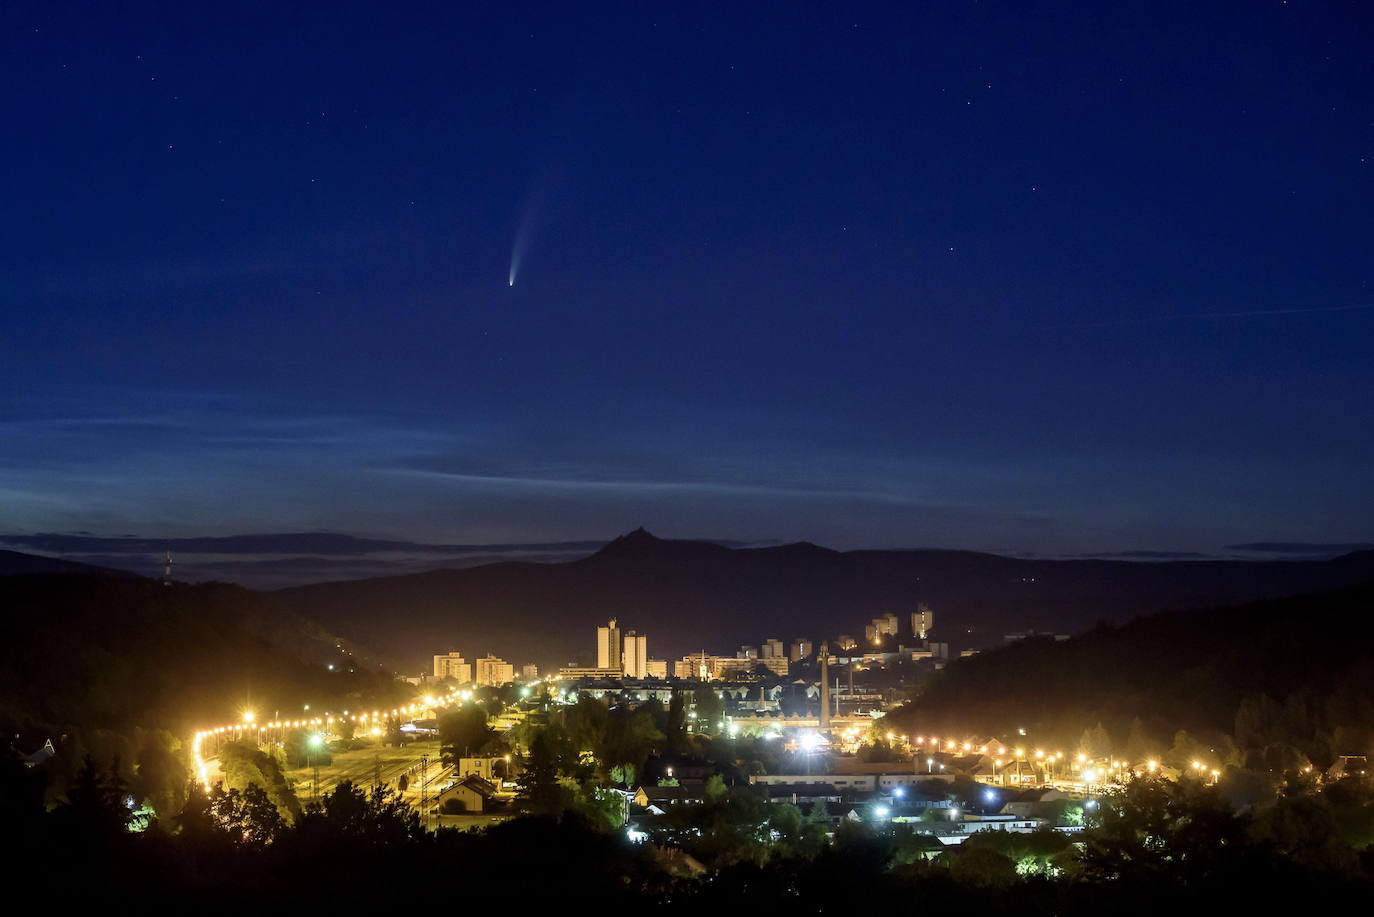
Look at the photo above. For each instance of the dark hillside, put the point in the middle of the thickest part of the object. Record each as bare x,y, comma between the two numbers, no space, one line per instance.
1302,666
16,563
97,653
694,595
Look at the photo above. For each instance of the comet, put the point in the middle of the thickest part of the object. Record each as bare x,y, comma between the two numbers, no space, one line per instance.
524,232
529,223
517,251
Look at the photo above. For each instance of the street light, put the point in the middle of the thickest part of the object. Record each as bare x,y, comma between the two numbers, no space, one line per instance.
315,740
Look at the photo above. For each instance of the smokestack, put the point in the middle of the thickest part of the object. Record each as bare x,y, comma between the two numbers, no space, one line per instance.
825,685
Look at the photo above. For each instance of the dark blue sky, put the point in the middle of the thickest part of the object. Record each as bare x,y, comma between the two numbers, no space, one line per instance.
1033,277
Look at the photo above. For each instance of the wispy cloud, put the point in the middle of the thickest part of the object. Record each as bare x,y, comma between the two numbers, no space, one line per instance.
1242,313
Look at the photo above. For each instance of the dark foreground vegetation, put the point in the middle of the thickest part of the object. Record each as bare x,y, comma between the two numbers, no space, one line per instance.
1151,848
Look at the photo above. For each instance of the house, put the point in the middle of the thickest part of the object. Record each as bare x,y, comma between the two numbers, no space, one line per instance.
842,811
489,767
919,797
923,846
972,824
1031,803
662,797
469,794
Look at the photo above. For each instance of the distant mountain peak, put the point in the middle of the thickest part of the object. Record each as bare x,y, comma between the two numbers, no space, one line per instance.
643,544
639,540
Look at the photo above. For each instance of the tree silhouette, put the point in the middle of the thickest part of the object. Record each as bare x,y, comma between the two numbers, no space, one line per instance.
464,733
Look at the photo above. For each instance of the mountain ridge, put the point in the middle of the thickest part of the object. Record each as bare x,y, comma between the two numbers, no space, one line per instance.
688,595
18,563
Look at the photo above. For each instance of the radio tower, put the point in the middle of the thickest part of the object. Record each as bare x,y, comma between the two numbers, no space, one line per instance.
167,570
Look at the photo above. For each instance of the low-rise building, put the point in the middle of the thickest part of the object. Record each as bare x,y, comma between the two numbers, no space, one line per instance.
468,795
1031,803
695,666
854,783
484,767
571,672
801,794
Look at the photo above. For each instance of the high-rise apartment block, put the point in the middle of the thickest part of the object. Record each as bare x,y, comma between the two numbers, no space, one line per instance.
778,665
922,620
608,650
529,672
489,670
772,649
635,656
800,649
881,627
452,665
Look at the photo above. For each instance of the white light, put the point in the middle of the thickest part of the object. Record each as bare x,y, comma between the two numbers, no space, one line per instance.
882,812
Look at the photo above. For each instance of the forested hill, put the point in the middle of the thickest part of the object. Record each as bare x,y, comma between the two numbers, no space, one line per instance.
692,595
90,653
1293,672
13,563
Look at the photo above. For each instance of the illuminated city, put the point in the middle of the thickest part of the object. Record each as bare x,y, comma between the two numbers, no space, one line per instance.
669,458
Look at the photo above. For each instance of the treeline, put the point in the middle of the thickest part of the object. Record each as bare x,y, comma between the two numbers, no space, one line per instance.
125,670
1282,681
1144,848
637,745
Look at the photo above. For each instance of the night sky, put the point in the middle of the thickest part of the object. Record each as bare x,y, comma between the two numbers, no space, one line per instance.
1015,277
